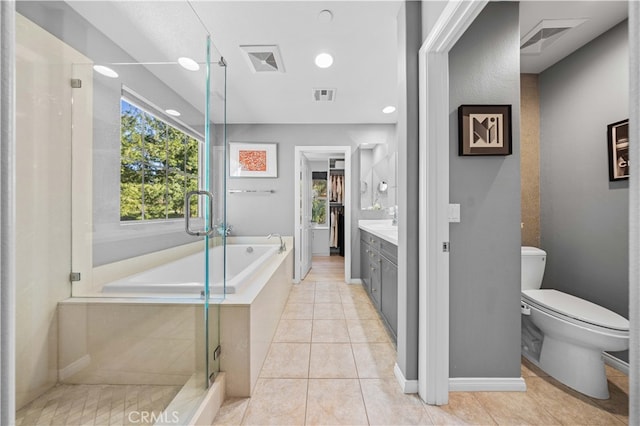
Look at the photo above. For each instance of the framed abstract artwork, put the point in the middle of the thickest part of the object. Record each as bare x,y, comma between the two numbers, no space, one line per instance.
256,160
484,130
618,147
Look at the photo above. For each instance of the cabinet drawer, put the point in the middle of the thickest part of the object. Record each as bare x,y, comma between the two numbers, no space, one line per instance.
370,239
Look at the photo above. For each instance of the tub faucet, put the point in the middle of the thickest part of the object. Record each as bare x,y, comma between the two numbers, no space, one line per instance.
223,230
283,247
393,211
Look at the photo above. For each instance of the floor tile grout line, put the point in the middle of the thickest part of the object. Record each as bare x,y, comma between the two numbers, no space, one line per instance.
486,409
306,397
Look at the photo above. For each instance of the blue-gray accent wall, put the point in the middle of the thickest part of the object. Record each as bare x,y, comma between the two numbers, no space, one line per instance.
484,68
584,217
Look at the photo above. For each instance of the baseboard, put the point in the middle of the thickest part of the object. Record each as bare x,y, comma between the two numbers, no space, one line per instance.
616,363
74,368
355,281
487,384
407,386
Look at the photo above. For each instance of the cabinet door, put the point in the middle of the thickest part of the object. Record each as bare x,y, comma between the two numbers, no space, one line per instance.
365,272
389,289
374,270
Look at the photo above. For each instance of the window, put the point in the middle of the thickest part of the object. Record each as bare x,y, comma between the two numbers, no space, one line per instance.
319,201
159,164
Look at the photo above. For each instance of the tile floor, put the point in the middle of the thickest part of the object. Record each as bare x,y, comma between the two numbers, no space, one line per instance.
331,363
76,405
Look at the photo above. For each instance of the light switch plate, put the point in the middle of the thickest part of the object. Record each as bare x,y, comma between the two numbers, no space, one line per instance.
454,213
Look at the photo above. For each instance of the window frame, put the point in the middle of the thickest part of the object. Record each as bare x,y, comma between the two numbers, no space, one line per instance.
147,107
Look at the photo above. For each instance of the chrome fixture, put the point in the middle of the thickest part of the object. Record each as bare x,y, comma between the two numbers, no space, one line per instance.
393,211
257,191
283,247
224,231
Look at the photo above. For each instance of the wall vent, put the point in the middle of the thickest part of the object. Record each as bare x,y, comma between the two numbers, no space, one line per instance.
546,32
324,95
263,58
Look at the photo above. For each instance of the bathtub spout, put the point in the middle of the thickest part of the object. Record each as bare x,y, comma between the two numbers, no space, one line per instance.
283,247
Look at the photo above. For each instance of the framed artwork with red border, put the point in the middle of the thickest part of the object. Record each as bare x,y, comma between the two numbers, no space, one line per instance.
256,160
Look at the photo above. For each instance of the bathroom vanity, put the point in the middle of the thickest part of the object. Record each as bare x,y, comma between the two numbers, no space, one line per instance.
379,268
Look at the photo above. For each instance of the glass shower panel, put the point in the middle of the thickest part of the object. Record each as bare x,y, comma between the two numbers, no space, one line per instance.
217,185
144,133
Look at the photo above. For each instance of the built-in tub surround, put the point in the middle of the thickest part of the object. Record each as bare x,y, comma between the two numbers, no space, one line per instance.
117,337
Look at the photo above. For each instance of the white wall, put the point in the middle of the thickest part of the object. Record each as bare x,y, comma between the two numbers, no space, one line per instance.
43,223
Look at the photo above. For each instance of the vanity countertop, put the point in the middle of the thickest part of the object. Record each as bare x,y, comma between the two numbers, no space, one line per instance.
381,228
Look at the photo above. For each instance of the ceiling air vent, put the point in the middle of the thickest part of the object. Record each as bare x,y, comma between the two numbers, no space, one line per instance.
262,58
324,95
545,33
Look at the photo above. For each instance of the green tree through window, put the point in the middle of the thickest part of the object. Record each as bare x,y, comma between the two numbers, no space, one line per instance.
158,165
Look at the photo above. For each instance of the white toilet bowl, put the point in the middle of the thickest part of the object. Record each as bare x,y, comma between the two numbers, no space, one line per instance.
575,333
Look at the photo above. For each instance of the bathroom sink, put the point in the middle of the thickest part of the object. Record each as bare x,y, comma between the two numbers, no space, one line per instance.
381,228
378,224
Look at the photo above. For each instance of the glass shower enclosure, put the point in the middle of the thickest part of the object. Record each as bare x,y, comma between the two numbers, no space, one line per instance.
141,225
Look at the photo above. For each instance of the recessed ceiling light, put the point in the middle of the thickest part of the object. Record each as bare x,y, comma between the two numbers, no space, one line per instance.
188,64
172,112
324,60
106,71
388,109
325,16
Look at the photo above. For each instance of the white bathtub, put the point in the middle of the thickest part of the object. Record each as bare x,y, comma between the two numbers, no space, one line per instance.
110,336
185,276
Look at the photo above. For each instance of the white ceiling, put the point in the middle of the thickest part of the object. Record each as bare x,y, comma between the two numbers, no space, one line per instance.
600,15
362,37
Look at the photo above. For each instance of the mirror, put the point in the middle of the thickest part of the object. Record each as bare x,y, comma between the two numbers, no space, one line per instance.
377,177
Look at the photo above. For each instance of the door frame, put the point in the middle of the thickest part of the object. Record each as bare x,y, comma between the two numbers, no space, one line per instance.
433,276
634,215
306,246
326,149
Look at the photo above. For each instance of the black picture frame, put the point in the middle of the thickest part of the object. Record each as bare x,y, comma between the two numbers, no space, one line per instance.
618,149
484,130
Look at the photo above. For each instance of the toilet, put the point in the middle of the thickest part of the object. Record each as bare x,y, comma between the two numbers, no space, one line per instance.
565,335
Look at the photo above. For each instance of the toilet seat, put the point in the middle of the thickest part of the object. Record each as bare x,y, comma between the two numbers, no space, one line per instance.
576,310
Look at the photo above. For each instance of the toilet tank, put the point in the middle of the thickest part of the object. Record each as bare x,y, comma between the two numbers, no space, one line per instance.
533,262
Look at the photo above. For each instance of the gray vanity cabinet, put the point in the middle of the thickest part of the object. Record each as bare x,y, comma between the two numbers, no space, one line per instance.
379,274
365,272
389,284
374,269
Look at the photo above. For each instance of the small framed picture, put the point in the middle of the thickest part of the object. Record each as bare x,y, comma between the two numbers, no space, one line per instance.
618,147
484,130
256,160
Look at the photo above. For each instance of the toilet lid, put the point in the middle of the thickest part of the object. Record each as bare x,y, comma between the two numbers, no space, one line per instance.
574,307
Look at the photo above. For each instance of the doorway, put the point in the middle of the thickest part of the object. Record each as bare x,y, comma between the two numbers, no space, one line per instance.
322,209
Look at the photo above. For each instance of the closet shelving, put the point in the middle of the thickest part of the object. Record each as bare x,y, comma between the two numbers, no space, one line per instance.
336,206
